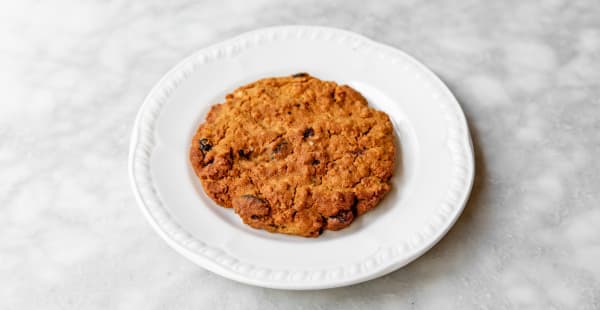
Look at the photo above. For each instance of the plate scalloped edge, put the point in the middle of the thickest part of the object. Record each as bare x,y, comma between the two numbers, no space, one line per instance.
383,261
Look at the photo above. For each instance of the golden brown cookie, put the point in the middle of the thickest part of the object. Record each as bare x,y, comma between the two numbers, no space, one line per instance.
295,155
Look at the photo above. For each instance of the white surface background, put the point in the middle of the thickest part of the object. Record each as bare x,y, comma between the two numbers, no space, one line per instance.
74,73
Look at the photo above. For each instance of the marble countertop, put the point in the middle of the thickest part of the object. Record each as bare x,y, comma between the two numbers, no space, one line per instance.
74,73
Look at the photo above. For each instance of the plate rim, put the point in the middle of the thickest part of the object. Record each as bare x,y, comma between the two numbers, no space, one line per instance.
219,262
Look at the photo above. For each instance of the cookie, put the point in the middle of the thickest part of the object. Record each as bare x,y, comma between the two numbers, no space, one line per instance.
295,155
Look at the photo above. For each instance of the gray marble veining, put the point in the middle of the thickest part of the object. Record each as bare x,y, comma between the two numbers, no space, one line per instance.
74,73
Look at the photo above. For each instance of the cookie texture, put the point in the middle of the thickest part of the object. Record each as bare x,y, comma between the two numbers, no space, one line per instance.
295,155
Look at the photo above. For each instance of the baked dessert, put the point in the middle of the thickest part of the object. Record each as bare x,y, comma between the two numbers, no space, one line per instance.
295,155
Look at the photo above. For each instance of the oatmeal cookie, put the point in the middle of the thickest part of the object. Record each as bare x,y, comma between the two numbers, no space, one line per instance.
295,155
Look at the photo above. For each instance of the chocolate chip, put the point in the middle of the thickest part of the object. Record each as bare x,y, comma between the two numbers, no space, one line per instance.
358,152
279,147
315,162
343,217
308,132
244,155
255,217
300,74
205,145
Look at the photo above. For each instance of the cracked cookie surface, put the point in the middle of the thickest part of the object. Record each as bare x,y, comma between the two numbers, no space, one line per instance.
295,155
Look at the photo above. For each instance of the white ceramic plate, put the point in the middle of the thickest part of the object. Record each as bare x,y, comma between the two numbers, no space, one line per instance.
430,185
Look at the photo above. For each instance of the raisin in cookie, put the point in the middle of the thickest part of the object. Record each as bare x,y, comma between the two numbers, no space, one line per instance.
295,155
